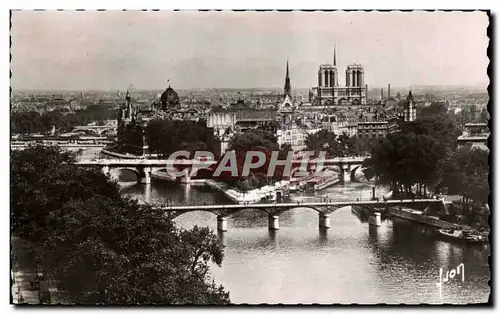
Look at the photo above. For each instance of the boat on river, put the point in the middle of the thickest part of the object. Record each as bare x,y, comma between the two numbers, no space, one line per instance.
462,235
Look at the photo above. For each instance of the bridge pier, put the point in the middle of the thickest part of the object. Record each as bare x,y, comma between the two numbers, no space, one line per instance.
185,178
221,224
324,221
375,220
273,222
345,173
146,179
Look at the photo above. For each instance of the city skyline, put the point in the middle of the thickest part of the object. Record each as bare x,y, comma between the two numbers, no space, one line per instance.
111,50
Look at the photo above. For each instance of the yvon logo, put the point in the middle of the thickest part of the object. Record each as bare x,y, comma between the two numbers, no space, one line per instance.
444,277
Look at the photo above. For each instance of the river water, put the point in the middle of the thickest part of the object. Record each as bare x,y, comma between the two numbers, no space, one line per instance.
398,262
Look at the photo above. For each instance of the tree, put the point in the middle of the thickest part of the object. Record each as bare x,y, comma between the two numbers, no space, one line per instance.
167,136
405,159
254,139
466,173
26,122
326,141
435,108
103,248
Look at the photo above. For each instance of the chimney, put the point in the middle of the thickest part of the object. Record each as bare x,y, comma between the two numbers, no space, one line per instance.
388,90
381,94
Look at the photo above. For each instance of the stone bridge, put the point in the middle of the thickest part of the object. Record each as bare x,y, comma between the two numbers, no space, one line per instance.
143,168
273,211
96,129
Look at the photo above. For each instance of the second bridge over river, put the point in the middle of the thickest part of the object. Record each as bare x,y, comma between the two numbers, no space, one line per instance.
273,210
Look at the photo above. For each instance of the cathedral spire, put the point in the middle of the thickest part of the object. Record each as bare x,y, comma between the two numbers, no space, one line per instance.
334,56
127,97
288,87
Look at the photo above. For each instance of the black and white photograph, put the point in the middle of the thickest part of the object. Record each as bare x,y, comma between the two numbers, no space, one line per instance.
186,157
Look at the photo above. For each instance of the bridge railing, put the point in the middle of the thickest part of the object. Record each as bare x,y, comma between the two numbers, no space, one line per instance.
328,203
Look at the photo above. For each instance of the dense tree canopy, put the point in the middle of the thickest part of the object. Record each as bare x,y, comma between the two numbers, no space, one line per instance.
261,141
103,248
337,145
466,173
424,152
33,122
254,139
404,159
167,136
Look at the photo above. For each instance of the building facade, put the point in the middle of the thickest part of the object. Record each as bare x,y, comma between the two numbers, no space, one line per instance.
409,112
377,129
330,93
294,136
475,134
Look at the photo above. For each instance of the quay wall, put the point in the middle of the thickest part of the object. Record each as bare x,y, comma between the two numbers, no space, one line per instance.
114,154
419,217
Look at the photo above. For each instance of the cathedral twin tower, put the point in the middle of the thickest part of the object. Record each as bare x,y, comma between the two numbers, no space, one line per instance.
329,93
328,75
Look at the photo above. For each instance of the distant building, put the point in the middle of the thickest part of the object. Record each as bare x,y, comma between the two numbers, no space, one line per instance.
169,99
294,136
405,110
186,114
377,129
352,129
409,112
475,134
330,93
227,122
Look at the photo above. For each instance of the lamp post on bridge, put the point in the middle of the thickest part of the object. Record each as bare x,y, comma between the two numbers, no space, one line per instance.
144,144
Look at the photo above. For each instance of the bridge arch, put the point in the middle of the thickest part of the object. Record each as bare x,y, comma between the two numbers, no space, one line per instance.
357,169
115,172
87,131
335,168
176,214
107,131
271,210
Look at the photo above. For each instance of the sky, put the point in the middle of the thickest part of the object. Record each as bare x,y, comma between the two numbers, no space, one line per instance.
70,50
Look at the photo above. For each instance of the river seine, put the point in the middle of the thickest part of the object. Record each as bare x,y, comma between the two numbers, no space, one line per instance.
398,262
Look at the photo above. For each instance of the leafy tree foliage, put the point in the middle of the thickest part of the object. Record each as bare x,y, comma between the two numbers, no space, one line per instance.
337,145
33,122
167,136
466,174
255,140
435,108
104,248
416,154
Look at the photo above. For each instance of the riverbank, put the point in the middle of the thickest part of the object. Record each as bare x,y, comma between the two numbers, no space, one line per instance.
118,155
419,217
269,192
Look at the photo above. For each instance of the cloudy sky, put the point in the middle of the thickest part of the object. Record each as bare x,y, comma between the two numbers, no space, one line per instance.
113,49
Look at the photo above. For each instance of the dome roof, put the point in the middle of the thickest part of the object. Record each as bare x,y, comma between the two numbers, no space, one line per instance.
169,98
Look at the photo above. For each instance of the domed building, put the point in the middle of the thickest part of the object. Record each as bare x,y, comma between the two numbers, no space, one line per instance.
169,99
